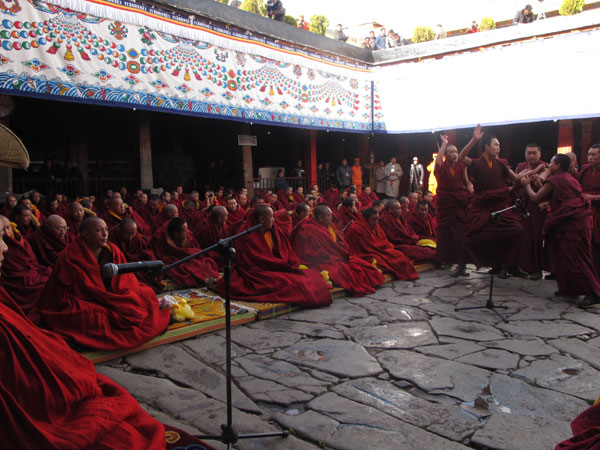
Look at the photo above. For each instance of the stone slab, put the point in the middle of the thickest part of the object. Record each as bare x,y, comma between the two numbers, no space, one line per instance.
544,329
444,420
517,397
512,432
211,348
340,312
492,359
540,309
183,368
481,316
435,375
293,326
393,312
579,350
341,358
393,335
532,347
449,326
257,339
563,374
583,317
451,351
267,391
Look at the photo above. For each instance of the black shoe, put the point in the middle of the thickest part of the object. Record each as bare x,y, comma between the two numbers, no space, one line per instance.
550,276
502,273
536,276
517,272
460,271
589,301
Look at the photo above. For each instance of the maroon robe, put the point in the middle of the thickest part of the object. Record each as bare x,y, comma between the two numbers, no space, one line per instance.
531,254
47,246
332,198
277,206
264,275
27,232
590,184
112,219
452,208
287,202
367,200
423,226
150,217
284,222
23,277
234,218
317,249
363,240
568,230
493,243
53,398
138,250
192,273
586,431
345,216
77,304
400,233
298,198
73,226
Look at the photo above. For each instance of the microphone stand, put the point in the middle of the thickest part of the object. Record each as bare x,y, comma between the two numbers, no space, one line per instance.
490,302
229,435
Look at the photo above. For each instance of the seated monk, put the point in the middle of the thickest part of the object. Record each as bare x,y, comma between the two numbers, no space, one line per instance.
274,203
53,398
266,268
400,233
422,223
92,311
320,245
175,241
302,212
379,206
244,204
429,198
212,228
136,248
298,195
50,239
287,198
74,219
89,209
365,236
367,197
346,213
21,216
404,206
235,214
150,212
188,211
9,204
36,216
23,277
168,212
331,197
117,211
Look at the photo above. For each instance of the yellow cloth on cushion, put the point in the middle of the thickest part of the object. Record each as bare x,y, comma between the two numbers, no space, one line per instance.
426,243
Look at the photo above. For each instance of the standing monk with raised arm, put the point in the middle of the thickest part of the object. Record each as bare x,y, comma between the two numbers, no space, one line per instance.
589,177
490,242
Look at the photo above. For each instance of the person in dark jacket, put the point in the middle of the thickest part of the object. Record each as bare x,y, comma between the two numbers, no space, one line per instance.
343,175
524,15
275,10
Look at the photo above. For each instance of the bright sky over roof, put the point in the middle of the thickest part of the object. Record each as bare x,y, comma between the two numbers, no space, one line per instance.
404,15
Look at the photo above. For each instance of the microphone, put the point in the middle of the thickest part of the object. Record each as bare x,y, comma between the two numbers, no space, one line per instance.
521,206
109,270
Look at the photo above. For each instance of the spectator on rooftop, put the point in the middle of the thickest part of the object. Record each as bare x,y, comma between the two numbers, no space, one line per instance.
303,24
298,171
394,40
524,15
275,10
474,28
339,34
368,43
440,33
381,40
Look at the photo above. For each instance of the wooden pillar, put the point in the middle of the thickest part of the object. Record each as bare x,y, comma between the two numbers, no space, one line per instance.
565,136
6,174
146,177
586,139
311,158
363,149
247,165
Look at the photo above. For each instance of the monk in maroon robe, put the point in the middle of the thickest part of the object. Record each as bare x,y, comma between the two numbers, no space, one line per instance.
136,248
9,204
23,277
321,245
235,214
568,229
298,195
274,203
532,244
589,177
92,311
365,237
118,211
452,207
21,216
301,212
266,268
401,234
150,212
49,240
346,213
168,212
287,198
492,242
422,223
331,197
188,211
367,197
212,229
74,218
175,241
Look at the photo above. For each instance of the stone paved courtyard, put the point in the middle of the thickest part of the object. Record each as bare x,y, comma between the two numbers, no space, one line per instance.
399,369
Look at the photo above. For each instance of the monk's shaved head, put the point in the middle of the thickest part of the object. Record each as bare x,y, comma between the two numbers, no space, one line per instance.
95,234
392,203
127,230
302,208
116,204
171,210
127,224
91,222
262,211
57,226
5,225
369,212
320,210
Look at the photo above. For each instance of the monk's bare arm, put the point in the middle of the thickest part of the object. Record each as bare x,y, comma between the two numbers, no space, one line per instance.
439,159
463,157
468,183
540,195
517,177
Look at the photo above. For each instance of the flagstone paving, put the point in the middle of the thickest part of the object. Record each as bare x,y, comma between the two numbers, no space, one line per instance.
398,369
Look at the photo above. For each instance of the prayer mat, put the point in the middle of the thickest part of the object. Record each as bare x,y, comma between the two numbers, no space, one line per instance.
180,440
